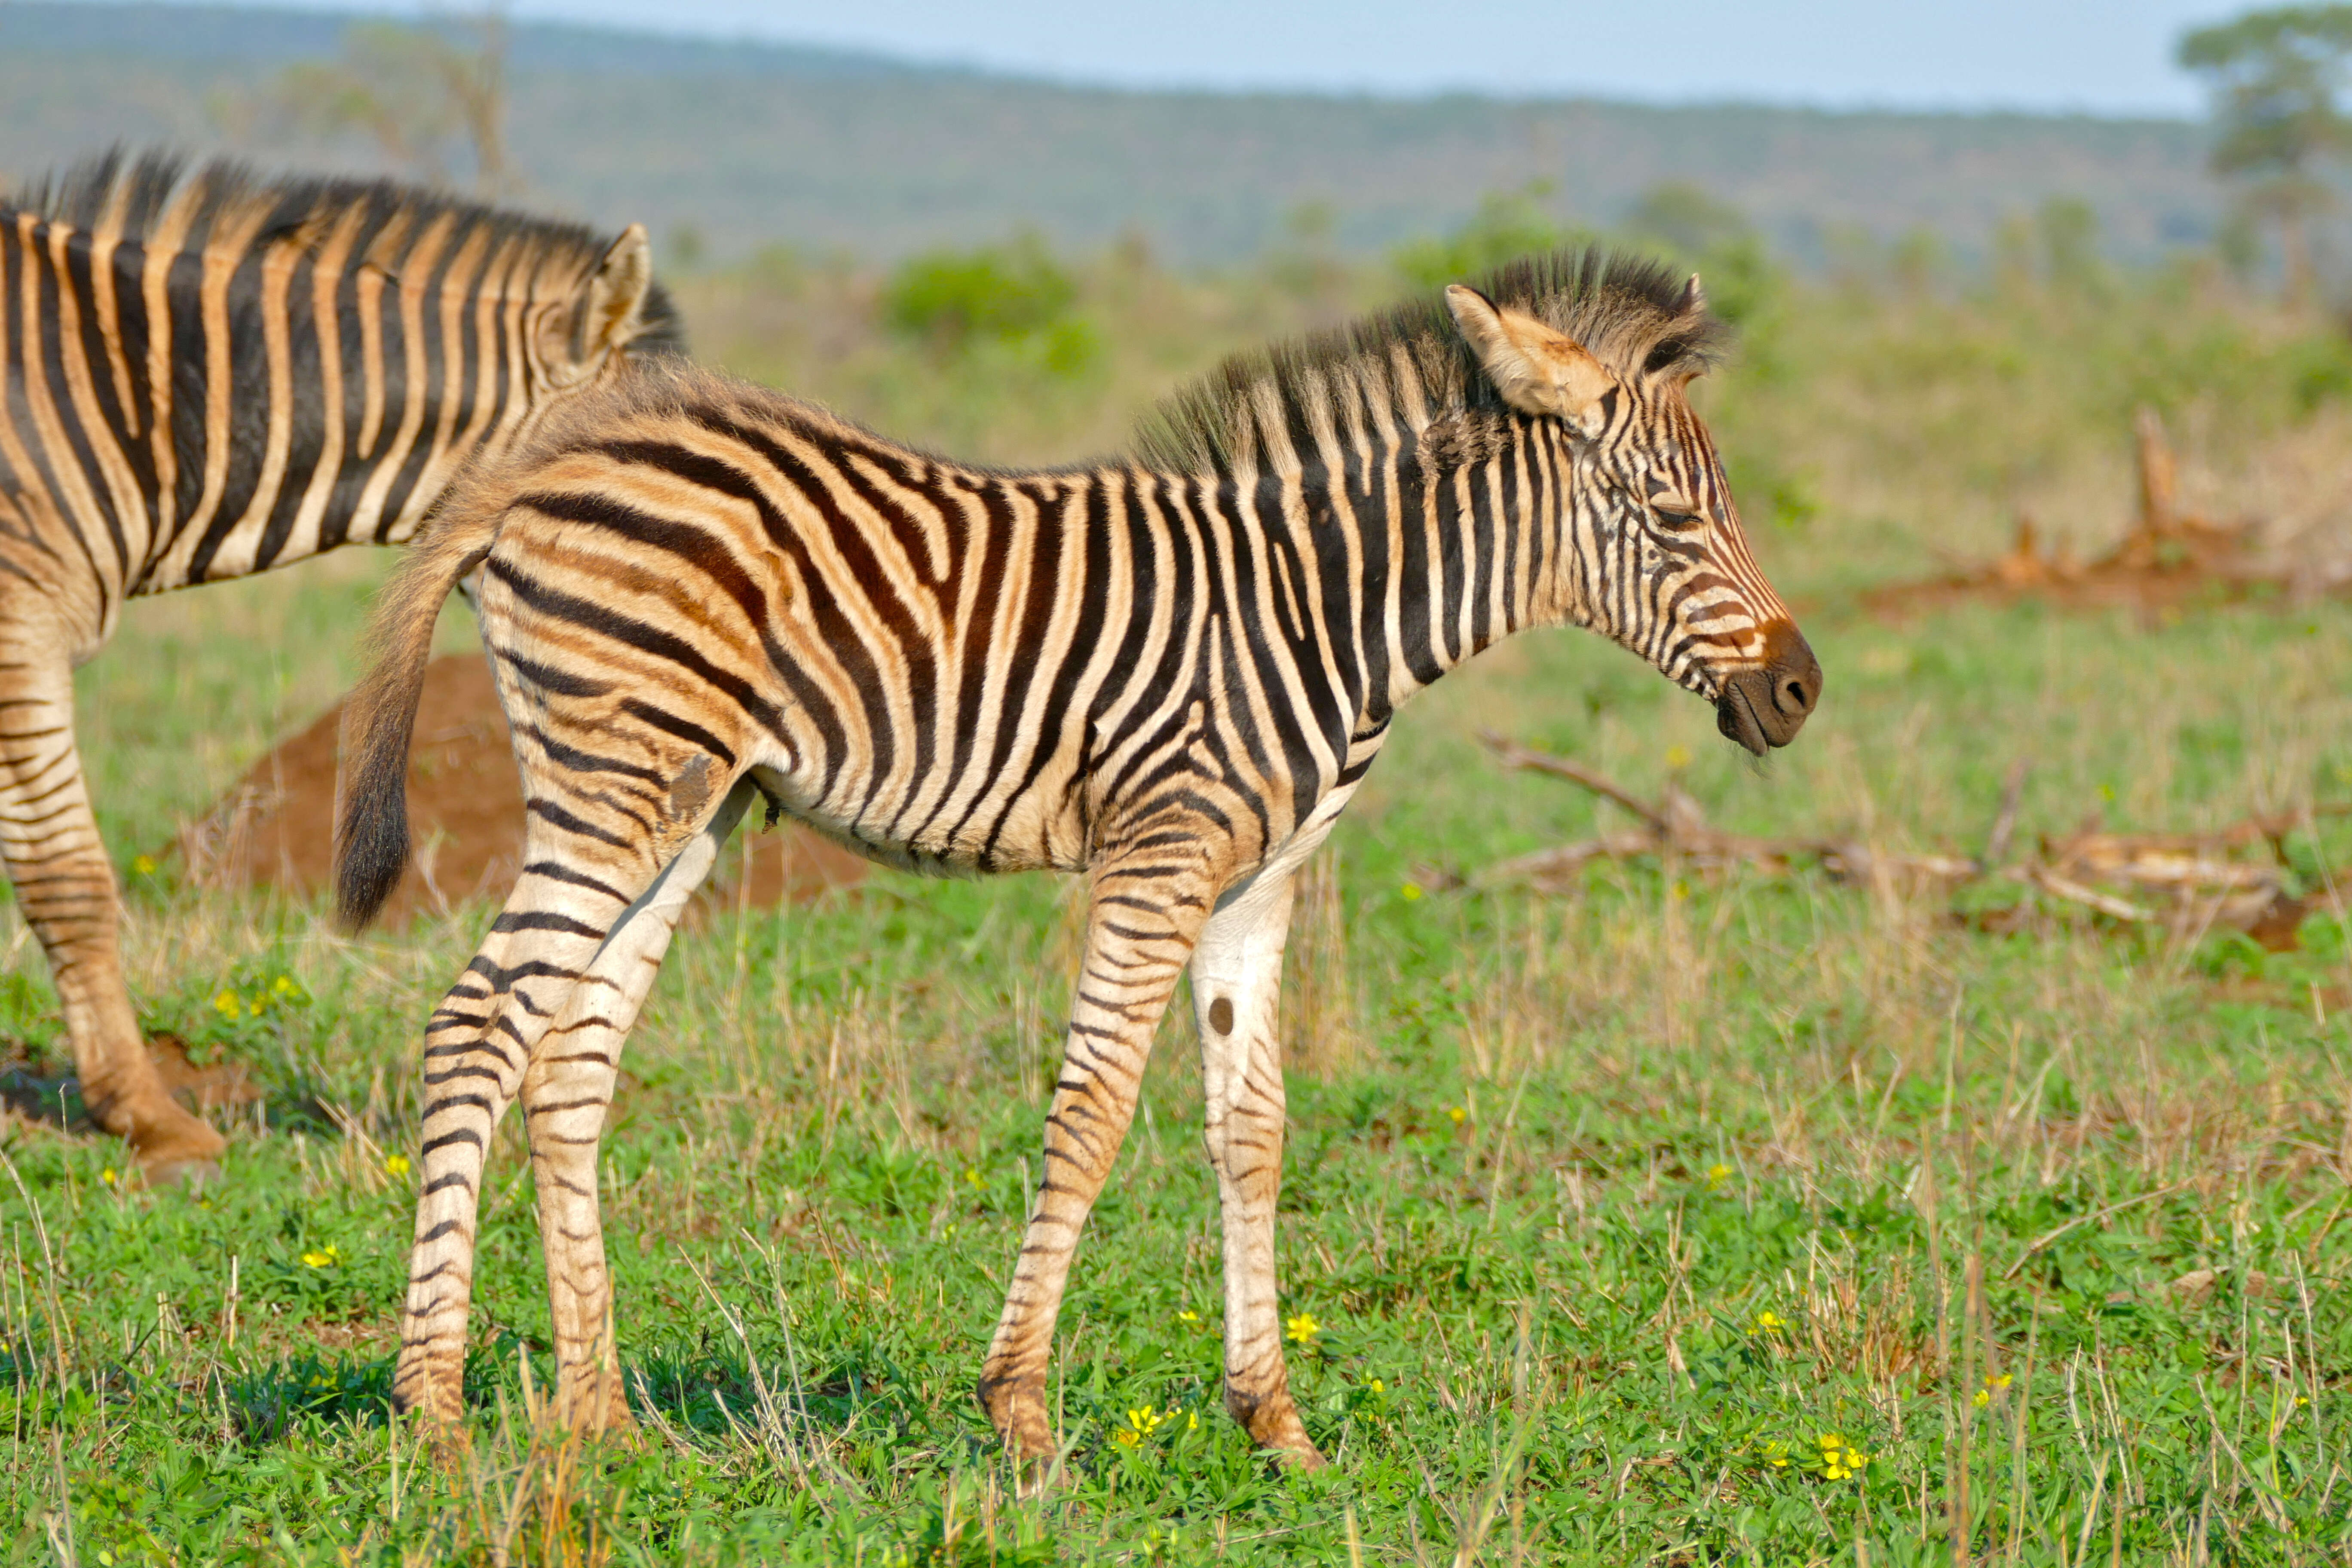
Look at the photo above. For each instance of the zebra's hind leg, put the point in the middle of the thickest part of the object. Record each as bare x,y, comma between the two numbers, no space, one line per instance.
65,887
1140,932
477,1045
1236,984
566,1092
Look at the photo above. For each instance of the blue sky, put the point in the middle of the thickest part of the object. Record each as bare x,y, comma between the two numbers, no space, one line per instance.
2112,56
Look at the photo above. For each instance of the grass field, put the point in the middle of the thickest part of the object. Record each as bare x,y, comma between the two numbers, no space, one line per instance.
1682,1218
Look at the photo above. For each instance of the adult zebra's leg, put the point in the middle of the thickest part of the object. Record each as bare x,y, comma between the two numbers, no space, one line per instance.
64,889
1139,933
477,1045
566,1092
1236,984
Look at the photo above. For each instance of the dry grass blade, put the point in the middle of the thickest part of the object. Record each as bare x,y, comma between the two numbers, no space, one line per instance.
2048,1237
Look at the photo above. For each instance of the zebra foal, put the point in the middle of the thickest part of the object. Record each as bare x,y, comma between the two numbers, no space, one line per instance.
1169,671
206,374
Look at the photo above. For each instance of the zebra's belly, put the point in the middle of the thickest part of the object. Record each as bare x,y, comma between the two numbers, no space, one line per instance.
945,833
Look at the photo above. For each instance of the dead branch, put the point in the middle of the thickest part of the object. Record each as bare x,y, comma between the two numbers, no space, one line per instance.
2121,876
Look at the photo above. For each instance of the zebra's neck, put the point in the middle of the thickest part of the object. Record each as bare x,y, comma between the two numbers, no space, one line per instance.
1453,551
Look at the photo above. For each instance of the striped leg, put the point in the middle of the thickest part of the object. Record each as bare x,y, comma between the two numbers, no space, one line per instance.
65,887
1139,934
476,1044
1236,984
566,1092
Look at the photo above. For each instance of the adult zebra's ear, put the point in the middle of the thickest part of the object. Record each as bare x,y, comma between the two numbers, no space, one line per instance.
1538,370
616,297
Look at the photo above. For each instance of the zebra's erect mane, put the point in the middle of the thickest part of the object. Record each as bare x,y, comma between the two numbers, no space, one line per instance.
131,191
1625,309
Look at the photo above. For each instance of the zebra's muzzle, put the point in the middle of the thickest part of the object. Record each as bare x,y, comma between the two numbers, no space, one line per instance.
1765,706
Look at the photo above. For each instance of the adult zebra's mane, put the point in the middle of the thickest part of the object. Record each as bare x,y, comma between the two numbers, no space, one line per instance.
130,193
1625,309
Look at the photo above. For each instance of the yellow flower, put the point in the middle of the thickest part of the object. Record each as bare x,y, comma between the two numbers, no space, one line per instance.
1411,890
1984,1398
1303,1328
971,1175
1678,757
1717,1174
142,865
1192,1421
284,986
323,1257
257,1005
1768,1322
1456,1114
1998,1382
225,1005
1188,1316
395,1164
1378,1387
1125,1436
108,1176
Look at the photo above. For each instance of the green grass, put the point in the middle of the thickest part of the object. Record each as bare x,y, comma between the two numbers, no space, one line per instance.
1683,1107
1606,1209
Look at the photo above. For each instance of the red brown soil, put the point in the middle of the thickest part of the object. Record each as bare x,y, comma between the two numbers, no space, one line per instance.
47,1091
2190,562
275,828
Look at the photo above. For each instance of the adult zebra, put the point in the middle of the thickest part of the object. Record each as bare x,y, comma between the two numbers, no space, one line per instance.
208,374
1169,671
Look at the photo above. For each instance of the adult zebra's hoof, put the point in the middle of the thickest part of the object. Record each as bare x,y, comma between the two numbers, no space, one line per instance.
189,1174
173,1147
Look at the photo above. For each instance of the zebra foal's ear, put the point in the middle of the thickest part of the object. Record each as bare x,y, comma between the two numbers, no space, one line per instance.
616,296
1538,370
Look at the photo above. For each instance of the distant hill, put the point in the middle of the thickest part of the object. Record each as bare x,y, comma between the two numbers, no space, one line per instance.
750,144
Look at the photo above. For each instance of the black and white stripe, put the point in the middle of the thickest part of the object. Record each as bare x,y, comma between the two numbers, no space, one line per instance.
209,374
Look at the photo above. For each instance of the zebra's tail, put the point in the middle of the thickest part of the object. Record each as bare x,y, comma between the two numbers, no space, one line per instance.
372,776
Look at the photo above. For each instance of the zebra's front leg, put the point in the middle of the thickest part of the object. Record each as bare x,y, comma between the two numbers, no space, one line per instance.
1236,987
64,889
566,1092
1140,932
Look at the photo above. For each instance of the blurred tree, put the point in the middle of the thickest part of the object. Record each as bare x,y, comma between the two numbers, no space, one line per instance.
2276,77
957,302
1506,225
411,90
2068,229
687,247
1686,219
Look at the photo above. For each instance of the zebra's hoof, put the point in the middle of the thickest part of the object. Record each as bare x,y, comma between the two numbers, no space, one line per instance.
190,1174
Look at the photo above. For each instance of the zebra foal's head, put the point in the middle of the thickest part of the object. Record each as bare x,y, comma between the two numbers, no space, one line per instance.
1655,557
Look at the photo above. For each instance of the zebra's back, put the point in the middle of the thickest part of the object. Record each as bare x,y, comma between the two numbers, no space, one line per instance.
944,667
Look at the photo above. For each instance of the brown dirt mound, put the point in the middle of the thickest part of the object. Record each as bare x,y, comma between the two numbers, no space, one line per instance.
275,828
2168,559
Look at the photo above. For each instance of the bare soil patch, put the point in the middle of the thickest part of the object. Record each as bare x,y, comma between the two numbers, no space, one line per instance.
275,828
